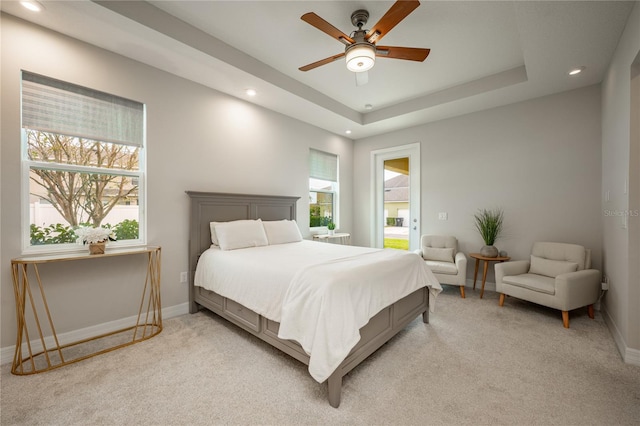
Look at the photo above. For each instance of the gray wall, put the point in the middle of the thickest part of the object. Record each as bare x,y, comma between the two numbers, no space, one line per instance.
620,165
539,160
197,139
547,162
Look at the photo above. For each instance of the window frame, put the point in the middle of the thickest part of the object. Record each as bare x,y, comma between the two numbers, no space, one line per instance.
335,191
26,165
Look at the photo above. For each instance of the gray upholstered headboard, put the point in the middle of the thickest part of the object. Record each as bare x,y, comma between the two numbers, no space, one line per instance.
209,207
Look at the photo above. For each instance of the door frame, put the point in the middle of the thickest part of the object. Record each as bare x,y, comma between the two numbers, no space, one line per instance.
378,157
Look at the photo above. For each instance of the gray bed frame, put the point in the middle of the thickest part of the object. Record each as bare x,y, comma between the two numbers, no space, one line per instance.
209,207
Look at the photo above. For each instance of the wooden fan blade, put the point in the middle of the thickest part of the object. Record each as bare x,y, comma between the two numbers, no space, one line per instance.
313,19
322,62
394,15
407,53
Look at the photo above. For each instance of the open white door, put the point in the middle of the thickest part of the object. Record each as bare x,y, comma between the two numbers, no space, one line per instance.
378,219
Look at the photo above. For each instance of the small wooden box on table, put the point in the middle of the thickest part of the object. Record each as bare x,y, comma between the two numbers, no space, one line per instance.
32,324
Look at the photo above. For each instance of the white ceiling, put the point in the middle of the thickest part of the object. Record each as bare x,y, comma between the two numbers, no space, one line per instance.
483,53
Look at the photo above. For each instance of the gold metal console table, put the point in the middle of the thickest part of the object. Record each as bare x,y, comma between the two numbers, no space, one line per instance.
50,356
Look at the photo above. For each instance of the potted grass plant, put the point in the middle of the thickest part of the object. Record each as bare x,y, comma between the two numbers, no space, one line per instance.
331,227
489,224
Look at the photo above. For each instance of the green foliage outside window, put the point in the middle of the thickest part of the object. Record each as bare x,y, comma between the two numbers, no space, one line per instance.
316,219
126,230
61,234
52,234
321,211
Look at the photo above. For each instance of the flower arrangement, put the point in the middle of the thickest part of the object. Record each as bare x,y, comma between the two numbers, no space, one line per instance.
331,226
94,235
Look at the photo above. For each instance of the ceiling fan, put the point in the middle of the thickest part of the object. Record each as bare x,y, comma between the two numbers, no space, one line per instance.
361,49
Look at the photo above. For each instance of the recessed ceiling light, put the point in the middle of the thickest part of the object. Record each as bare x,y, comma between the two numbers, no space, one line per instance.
251,92
32,5
348,132
368,106
577,71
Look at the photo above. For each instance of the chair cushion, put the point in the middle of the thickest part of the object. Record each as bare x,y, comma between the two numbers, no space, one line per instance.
439,241
440,267
562,251
551,268
438,254
539,283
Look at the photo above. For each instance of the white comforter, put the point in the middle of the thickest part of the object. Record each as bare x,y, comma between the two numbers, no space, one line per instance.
321,294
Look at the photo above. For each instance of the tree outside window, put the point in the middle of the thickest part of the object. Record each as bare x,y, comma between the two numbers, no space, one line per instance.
80,196
83,161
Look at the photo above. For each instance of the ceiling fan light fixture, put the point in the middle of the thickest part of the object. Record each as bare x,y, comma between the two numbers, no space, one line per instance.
577,70
361,57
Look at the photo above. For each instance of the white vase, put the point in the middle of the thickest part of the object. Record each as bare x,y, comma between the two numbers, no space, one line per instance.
331,231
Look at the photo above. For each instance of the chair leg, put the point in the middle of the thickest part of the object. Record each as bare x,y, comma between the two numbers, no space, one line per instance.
565,319
591,312
462,291
501,302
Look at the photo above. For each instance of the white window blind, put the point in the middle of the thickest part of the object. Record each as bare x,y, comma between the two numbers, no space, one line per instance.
56,106
323,165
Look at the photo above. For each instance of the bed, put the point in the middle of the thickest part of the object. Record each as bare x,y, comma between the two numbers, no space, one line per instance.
275,325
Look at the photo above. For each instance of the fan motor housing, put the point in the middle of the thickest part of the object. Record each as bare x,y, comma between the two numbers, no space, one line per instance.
359,18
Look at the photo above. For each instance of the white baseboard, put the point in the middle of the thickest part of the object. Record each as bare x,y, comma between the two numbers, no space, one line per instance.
632,356
629,355
6,354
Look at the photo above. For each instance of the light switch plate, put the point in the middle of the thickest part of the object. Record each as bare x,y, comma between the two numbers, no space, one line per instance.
443,216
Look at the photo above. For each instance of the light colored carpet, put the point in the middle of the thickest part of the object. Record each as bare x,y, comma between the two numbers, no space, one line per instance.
475,363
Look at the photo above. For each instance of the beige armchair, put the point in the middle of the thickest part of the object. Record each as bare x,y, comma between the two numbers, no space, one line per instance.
558,276
443,258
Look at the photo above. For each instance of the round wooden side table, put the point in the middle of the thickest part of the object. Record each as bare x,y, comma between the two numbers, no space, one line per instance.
478,257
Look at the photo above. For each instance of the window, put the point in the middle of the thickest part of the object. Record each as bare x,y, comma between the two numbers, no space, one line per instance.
323,188
83,163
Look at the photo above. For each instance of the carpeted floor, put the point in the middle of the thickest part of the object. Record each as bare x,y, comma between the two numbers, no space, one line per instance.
475,363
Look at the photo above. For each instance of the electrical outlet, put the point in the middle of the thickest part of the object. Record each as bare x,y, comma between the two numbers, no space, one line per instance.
443,216
183,277
605,283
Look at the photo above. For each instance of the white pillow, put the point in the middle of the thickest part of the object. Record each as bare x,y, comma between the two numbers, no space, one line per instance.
282,231
212,227
240,234
214,237
438,254
551,268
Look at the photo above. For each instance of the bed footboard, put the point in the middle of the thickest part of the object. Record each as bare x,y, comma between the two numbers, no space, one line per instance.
379,330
